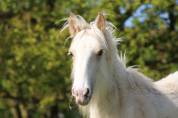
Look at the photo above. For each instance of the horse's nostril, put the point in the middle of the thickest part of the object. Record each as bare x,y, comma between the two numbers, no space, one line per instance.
86,93
80,93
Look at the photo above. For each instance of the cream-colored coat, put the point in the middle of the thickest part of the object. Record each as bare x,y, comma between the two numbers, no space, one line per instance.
118,91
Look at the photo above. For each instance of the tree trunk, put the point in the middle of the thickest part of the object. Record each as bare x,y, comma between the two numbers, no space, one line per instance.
17,111
172,17
54,111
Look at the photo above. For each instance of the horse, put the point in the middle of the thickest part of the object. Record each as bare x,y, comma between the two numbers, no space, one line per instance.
102,85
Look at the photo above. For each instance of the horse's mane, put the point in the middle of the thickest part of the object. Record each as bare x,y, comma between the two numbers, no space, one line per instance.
137,81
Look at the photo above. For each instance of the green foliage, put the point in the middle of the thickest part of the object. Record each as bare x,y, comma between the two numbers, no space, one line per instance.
34,69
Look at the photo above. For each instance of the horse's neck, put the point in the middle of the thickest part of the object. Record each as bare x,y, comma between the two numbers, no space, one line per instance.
108,97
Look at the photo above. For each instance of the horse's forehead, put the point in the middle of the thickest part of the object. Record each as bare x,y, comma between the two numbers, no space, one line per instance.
87,39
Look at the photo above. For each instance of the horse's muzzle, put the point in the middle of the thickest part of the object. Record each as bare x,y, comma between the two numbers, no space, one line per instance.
82,96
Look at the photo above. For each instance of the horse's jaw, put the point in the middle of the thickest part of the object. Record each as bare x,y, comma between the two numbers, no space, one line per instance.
102,102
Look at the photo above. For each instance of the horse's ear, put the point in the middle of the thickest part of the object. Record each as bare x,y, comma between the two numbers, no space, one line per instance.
73,25
76,24
100,21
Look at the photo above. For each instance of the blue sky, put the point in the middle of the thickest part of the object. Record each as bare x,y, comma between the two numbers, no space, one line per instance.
141,15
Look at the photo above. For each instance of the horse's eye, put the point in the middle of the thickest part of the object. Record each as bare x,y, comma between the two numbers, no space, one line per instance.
69,54
100,52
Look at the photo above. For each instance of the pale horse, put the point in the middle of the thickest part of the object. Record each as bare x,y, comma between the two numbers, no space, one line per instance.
103,87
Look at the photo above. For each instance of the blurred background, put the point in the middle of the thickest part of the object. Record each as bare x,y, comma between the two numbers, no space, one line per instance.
34,66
